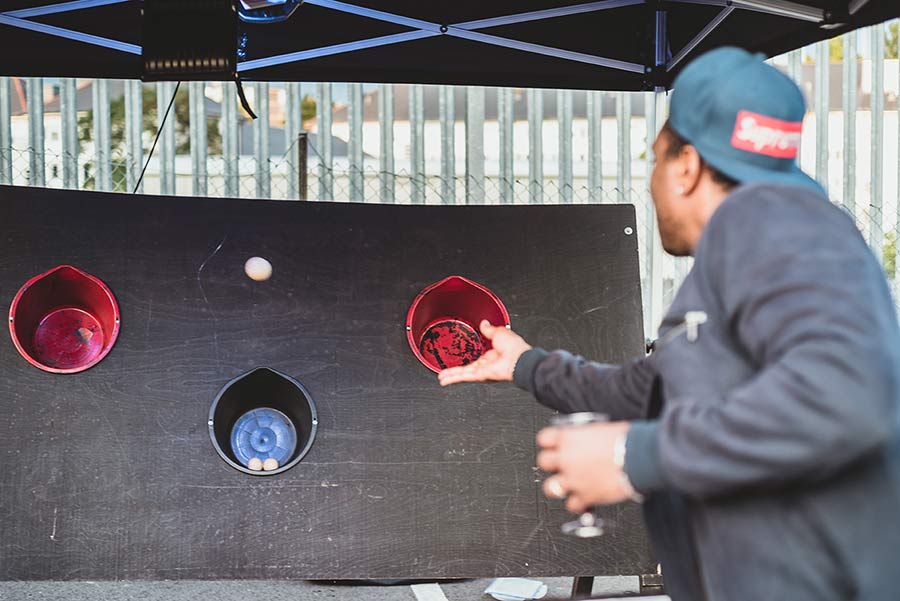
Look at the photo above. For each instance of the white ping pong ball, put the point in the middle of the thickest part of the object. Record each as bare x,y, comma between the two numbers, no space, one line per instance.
258,269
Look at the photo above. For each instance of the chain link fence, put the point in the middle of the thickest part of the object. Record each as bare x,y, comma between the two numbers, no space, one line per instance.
874,222
340,177
532,154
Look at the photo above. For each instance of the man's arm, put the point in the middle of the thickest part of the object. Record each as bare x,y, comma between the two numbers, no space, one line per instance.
559,380
810,306
570,384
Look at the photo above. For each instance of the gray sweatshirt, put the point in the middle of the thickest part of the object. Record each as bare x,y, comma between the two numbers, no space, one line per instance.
767,438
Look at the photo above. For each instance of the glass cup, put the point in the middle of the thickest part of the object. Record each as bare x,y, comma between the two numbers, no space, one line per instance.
588,524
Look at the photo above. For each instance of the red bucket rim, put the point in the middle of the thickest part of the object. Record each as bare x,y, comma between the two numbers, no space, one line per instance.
106,348
413,345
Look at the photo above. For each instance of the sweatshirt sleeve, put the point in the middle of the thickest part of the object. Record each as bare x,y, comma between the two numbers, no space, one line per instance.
569,383
808,303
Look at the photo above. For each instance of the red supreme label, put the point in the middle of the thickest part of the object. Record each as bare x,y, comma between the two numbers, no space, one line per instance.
764,135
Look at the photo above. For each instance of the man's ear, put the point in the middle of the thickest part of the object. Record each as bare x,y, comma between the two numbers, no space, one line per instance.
690,169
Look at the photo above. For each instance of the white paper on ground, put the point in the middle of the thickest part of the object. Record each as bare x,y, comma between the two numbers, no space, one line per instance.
656,598
516,589
428,592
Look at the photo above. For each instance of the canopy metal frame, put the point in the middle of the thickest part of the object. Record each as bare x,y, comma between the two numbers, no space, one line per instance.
22,19
663,60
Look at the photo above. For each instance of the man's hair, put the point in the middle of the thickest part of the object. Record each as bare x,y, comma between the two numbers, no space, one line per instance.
677,143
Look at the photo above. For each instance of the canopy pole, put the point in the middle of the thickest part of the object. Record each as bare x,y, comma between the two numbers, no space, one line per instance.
536,15
425,29
68,34
855,6
59,7
704,33
661,41
781,8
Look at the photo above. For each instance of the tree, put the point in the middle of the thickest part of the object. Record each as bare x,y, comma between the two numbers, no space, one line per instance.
889,254
836,45
307,108
836,49
180,113
117,142
890,40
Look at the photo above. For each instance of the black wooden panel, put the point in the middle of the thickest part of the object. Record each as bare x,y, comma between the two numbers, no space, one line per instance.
110,474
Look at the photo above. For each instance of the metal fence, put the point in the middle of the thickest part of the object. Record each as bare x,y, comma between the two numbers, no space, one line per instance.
443,144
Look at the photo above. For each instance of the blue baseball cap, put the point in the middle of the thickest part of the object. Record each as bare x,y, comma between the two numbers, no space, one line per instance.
743,116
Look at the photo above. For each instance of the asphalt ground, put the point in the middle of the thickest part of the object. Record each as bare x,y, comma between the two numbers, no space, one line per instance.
253,590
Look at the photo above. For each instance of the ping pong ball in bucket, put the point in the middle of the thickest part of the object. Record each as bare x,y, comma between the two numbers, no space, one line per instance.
270,464
255,464
258,269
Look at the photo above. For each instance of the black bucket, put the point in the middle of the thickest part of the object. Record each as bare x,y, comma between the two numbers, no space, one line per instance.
263,414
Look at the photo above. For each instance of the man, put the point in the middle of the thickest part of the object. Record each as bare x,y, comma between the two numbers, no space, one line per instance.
762,433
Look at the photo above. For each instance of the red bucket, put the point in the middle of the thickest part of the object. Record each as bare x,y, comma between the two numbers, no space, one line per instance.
64,321
442,325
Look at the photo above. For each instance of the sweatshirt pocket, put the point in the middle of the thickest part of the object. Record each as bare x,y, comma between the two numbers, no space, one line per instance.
687,325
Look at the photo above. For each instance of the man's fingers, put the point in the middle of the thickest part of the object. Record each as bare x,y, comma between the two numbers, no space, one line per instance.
490,356
466,373
554,488
457,374
479,371
548,438
575,505
548,461
487,329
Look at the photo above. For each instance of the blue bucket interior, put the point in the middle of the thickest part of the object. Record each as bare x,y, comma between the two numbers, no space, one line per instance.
263,433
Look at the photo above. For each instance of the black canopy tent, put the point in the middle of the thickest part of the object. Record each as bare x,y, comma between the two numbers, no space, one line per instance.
610,44
347,350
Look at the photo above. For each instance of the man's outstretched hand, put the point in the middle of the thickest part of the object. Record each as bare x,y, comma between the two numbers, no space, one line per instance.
496,365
